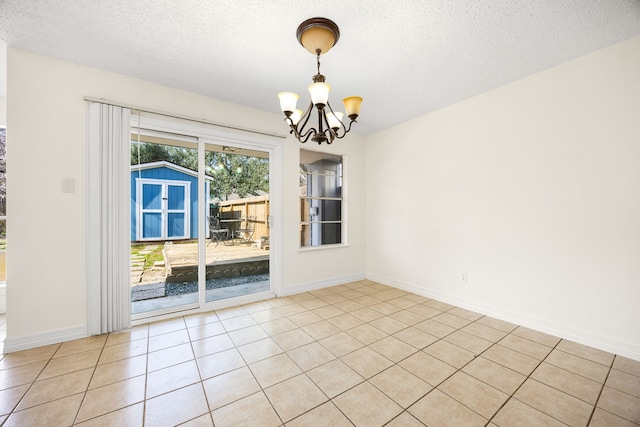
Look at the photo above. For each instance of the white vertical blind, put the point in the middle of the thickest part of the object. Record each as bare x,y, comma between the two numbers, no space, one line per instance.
108,287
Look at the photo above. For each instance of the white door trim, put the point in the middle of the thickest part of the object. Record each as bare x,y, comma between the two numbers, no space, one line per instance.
270,144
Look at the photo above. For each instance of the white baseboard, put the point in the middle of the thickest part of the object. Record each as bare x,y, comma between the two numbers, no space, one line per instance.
626,349
312,286
44,338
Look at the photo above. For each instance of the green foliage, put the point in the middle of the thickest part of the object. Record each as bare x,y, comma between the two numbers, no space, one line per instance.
147,153
149,258
231,173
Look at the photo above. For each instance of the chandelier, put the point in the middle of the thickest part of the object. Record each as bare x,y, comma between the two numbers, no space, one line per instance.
318,36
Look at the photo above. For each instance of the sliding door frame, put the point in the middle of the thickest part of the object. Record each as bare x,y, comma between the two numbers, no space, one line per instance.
209,134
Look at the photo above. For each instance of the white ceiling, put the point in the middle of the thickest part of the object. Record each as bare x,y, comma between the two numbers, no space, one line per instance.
404,57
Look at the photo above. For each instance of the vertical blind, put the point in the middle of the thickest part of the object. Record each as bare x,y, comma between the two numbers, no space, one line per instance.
108,138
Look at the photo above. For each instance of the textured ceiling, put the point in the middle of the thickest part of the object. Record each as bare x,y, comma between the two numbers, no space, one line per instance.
404,57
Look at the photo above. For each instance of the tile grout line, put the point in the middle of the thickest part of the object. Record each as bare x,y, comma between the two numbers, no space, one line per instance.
462,367
457,369
422,350
305,373
604,383
75,418
89,384
262,389
31,385
201,382
512,396
562,391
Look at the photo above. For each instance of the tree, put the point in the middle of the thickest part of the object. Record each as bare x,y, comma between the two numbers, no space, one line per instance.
147,153
235,174
232,173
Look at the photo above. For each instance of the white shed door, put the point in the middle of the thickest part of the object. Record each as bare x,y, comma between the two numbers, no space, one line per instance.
163,210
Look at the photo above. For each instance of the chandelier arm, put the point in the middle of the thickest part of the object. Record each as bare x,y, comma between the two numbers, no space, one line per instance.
304,138
329,134
299,129
294,129
305,118
299,136
332,135
347,129
342,126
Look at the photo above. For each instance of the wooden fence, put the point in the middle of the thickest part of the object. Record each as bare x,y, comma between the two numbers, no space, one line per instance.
254,211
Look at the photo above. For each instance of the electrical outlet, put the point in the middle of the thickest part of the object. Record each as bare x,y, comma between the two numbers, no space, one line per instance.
464,277
68,185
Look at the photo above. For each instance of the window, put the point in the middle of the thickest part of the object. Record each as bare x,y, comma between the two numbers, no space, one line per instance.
321,192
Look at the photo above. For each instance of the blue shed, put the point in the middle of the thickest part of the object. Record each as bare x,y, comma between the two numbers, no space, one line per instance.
164,202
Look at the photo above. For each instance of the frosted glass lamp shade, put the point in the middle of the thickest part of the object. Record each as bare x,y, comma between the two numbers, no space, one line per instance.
317,39
352,106
335,119
288,101
319,93
295,117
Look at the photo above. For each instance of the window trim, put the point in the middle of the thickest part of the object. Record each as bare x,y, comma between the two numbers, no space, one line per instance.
342,177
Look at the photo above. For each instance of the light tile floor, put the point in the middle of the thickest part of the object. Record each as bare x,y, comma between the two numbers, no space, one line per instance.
359,354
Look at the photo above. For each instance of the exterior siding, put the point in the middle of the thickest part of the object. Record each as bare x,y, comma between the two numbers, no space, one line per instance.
165,174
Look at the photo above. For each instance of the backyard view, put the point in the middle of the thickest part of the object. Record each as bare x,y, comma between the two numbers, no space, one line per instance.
165,219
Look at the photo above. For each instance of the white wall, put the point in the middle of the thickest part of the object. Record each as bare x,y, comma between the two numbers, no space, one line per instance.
47,229
318,268
533,190
3,111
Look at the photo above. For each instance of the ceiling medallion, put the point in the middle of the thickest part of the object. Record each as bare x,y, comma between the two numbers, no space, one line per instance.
318,36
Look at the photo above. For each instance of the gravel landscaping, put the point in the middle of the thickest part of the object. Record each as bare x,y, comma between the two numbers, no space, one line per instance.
172,289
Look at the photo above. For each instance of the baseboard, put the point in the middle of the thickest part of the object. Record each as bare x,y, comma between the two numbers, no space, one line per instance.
44,338
312,286
622,348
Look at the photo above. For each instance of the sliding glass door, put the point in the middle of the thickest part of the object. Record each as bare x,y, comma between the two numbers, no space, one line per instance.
200,220
237,250
164,222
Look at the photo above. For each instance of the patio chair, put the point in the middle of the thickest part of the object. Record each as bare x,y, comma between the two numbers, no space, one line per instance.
217,234
246,234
